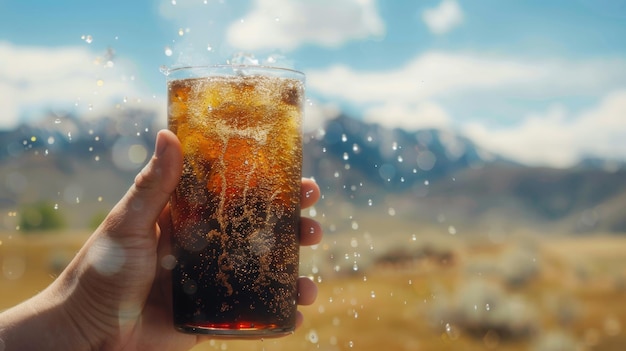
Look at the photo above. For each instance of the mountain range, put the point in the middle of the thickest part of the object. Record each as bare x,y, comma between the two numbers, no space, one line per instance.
84,166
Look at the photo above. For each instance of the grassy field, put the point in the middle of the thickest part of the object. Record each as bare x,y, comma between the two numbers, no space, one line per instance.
424,292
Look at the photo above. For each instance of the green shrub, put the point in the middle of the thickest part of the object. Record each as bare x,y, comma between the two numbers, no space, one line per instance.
41,216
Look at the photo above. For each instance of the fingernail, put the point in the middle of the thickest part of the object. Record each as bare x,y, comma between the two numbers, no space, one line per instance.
160,145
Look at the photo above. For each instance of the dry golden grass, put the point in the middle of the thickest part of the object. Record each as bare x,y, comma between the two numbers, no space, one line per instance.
578,289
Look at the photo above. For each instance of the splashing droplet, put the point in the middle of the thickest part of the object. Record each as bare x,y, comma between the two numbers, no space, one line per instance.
168,51
163,69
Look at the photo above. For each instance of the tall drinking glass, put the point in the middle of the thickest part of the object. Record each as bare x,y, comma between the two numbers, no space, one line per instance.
236,209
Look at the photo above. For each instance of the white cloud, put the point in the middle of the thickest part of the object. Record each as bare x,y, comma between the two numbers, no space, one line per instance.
558,137
69,79
444,17
287,24
315,114
431,74
436,89
448,75
422,115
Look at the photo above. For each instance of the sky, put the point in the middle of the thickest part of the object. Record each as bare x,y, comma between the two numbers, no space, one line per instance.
540,82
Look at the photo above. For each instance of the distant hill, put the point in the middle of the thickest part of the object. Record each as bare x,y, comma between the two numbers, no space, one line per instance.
84,166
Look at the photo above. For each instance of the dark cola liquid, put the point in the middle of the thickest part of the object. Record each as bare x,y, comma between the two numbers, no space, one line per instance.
236,210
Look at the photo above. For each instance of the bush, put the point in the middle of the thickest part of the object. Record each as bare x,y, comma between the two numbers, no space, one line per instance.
557,341
483,307
40,216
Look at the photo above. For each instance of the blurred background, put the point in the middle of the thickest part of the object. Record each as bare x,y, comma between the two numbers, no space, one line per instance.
471,155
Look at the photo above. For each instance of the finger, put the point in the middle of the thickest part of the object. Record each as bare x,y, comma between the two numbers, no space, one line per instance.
310,232
299,319
309,193
307,291
142,204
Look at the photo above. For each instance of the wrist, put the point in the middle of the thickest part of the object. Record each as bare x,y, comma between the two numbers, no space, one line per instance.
38,323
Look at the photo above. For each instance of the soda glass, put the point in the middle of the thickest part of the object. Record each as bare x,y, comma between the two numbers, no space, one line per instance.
236,210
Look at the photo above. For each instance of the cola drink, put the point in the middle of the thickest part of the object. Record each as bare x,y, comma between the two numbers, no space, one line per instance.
236,210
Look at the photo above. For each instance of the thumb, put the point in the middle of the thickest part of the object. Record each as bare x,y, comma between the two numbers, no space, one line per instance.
140,208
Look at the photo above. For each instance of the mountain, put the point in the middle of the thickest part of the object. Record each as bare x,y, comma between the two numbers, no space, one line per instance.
84,166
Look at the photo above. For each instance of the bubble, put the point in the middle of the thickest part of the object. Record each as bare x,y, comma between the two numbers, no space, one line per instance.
163,69
168,262
312,336
190,287
13,266
426,160
242,58
451,331
106,256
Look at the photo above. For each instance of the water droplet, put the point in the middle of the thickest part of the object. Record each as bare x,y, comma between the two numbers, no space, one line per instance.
209,48
88,39
181,32
452,230
57,121
99,82
344,138
345,156
370,202
56,206
373,294
487,307
168,51
391,211
312,336
400,159
163,69
452,332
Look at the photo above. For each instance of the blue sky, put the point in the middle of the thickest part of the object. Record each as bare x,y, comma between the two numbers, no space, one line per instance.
543,82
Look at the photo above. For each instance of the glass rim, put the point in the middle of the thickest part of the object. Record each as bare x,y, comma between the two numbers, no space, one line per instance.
234,67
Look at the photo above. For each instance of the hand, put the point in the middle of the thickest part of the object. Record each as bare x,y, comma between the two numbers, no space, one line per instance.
115,295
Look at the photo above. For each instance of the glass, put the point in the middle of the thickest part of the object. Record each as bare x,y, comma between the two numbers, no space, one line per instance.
236,209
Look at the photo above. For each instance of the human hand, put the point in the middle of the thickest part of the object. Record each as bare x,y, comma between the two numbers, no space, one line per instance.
115,294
